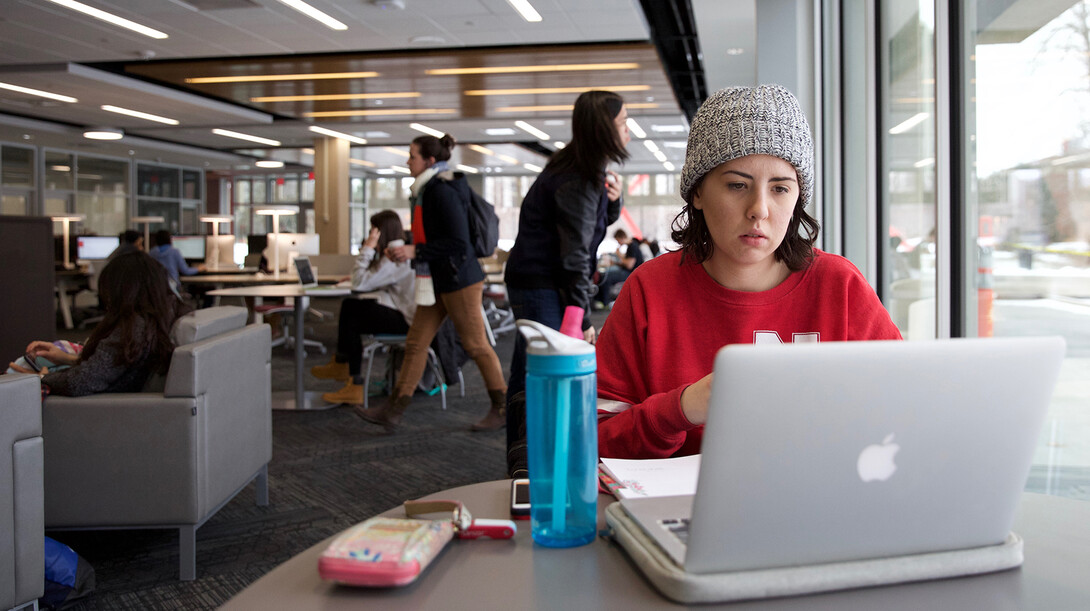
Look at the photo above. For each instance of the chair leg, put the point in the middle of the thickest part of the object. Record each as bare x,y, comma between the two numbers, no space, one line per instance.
369,356
433,359
461,382
261,483
187,553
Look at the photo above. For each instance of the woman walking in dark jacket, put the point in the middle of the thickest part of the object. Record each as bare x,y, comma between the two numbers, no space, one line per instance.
441,246
561,224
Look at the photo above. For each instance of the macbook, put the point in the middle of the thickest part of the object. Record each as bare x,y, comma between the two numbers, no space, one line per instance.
827,452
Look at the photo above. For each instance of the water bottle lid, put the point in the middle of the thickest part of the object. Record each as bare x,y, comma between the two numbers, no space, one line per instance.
545,341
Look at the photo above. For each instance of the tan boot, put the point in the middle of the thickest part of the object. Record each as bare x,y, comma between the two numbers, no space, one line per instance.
497,415
331,371
388,415
351,393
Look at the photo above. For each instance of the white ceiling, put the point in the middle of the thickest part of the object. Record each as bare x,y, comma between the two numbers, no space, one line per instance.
46,46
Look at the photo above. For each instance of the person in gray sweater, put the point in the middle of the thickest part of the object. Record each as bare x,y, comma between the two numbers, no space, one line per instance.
130,346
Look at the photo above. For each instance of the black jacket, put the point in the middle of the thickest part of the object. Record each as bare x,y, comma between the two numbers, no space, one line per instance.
561,224
447,249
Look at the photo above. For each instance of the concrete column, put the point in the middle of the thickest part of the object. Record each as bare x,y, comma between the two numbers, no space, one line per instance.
331,194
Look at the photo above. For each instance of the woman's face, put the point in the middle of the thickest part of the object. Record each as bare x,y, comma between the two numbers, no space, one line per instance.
748,204
418,164
621,123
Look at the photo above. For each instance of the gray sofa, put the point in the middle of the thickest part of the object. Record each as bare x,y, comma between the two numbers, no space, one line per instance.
167,459
22,547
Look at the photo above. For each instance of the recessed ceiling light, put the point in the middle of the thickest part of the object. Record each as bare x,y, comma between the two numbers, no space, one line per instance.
139,115
636,129
525,9
396,151
377,112
526,127
560,144
668,129
269,163
427,130
103,133
110,18
241,136
466,168
480,149
400,169
427,40
39,93
555,122
532,167
376,135
362,162
335,134
500,131
651,146
669,166
548,90
252,78
335,96
507,158
674,144
545,68
314,14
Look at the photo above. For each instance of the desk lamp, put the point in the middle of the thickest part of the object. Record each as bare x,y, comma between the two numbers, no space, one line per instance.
147,221
65,219
276,212
215,219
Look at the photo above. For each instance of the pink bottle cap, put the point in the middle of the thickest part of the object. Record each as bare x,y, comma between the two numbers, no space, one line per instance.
572,325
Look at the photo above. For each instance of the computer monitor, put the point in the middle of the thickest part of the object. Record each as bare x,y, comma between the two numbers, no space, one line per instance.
191,247
220,250
90,247
290,245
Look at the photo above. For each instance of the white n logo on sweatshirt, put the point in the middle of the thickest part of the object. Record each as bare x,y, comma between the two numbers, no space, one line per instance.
773,337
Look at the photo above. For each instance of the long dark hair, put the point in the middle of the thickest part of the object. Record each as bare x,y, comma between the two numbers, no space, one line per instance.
594,139
430,146
690,231
134,287
390,228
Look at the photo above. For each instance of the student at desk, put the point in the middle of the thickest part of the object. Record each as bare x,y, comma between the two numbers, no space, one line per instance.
747,272
171,257
391,313
132,344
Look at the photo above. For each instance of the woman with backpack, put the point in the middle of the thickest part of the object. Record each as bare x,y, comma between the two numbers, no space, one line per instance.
444,259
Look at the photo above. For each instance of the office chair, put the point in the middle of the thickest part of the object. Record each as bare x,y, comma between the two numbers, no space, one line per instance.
383,343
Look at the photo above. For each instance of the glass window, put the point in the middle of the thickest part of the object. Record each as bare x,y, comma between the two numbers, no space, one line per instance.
259,190
102,194
1028,212
14,204
59,171
306,191
356,188
907,142
105,213
242,191
153,181
286,190
191,184
16,167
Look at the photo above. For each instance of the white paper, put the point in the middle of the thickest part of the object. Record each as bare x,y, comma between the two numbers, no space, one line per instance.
654,477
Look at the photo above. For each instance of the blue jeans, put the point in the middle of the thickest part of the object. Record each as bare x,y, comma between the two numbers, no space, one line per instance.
545,307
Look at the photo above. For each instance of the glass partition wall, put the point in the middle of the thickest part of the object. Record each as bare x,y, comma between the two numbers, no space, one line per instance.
980,146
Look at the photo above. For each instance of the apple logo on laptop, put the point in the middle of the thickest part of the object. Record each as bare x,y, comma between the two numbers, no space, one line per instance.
876,461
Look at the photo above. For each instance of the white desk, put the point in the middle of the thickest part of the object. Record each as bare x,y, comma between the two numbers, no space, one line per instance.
518,574
299,399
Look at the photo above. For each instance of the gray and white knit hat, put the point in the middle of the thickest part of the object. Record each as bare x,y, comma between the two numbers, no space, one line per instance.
740,121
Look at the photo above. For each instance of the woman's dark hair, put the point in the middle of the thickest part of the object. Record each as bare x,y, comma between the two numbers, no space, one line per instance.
594,139
390,228
162,237
439,148
134,287
690,231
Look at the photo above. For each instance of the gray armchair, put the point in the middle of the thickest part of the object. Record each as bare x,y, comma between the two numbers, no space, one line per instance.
169,459
22,546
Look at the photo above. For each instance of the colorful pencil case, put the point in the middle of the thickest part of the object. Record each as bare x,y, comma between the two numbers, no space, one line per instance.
384,552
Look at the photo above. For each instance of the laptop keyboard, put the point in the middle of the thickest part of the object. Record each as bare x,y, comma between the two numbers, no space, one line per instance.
679,528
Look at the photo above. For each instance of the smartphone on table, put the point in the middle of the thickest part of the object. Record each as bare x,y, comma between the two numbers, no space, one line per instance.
520,499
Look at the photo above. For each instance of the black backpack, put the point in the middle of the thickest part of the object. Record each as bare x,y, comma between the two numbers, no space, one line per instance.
484,225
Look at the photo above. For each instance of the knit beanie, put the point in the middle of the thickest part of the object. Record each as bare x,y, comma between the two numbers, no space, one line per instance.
740,121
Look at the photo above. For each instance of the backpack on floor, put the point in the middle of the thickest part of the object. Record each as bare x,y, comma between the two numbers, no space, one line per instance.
68,577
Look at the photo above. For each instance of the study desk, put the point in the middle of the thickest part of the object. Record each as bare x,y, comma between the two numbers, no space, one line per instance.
299,398
518,574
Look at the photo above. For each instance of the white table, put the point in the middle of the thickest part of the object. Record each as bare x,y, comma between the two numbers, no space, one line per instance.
518,574
299,398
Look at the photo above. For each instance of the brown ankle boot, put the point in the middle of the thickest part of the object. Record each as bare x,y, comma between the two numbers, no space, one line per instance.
497,415
388,415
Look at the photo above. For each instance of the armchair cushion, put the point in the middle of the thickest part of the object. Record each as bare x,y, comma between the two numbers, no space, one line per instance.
202,324
22,553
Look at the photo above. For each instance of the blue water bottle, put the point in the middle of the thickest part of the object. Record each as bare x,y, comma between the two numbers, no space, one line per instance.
561,436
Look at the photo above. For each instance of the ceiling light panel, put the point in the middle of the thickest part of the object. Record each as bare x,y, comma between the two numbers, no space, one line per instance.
256,78
335,134
247,137
525,10
139,115
39,93
102,15
314,14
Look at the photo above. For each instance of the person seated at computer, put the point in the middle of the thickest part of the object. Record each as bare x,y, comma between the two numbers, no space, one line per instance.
171,257
130,347
129,240
627,258
747,271
391,313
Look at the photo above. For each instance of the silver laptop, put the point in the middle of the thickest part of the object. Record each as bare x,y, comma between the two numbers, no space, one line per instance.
827,452
305,272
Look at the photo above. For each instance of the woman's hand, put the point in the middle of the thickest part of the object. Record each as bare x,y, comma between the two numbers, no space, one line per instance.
397,254
51,353
590,335
371,241
613,185
694,400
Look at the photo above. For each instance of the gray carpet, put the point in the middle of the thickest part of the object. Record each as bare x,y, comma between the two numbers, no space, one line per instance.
329,471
